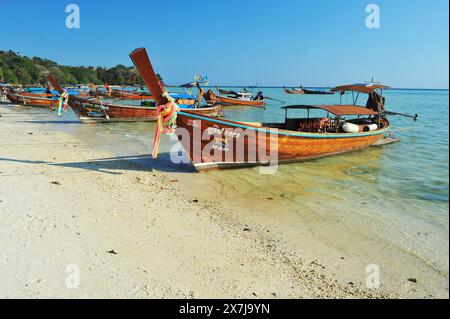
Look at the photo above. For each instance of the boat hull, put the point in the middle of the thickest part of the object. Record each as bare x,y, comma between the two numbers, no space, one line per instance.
130,96
228,101
33,101
94,111
311,92
288,91
235,144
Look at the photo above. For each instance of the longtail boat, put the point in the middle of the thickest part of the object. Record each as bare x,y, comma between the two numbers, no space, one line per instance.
95,111
293,91
31,95
225,92
217,143
45,102
128,95
240,99
302,90
306,91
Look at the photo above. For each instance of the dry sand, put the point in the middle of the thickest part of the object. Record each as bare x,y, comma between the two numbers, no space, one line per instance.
134,233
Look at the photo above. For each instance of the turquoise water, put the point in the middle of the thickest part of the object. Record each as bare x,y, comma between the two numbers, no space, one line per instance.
396,194
399,192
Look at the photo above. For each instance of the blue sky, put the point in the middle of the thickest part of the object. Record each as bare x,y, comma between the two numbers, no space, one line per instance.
269,42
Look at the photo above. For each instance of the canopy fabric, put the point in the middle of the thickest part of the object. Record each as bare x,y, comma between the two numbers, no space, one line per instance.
337,110
363,88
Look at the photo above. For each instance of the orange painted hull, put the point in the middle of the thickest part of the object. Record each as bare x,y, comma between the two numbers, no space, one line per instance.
222,146
37,95
228,101
130,96
288,91
32,101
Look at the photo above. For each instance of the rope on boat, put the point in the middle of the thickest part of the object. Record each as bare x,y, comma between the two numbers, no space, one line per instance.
166,122
63,101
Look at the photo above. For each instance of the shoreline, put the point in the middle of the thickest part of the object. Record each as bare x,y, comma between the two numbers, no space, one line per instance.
136,232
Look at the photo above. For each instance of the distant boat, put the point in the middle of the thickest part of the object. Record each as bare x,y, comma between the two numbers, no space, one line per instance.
302,90
131,95
225,92
238,99
306,91
294,91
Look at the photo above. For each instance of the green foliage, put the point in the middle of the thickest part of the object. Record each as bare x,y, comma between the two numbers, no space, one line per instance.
16,69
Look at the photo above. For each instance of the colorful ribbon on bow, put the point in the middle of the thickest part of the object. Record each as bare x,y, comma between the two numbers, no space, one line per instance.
166,123
63,100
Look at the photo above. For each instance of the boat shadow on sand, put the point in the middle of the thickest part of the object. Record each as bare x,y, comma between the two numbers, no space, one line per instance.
111,165
133,162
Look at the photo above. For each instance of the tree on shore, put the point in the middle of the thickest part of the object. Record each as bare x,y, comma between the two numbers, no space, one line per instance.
17,69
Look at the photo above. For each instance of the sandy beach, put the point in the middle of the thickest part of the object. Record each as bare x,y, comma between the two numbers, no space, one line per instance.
132,232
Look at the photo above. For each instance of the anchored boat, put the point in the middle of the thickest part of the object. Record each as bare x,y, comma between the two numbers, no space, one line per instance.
324,130
302,90
36,101
293,91
217,143
236,99
129,95
95,111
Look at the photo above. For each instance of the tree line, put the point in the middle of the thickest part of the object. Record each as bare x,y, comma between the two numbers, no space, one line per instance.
17,69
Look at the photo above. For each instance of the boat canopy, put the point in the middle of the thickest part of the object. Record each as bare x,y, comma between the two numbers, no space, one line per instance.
360,87
338,110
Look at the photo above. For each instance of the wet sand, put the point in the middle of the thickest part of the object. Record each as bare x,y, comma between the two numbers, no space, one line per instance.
135,232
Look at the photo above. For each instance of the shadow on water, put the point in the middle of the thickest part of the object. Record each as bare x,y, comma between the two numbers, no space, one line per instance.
108,165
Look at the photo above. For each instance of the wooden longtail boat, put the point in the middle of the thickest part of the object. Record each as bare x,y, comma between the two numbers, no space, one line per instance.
302,90
217,143
293,91
241,99
45,95
20,99
95,111
306,91
225,92
127,95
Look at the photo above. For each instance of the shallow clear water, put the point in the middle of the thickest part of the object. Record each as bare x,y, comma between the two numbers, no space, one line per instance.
396,193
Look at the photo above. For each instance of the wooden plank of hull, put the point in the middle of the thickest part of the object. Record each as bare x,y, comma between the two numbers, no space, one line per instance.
228,101
85,110
32,101
288,145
